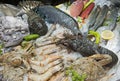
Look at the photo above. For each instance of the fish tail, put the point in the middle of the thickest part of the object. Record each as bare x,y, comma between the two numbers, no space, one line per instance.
29,5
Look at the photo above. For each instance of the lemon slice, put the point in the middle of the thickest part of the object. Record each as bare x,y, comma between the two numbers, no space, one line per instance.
107,34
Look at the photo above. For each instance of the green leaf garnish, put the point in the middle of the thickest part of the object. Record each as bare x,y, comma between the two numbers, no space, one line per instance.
1,47
97,36
75,75
31,37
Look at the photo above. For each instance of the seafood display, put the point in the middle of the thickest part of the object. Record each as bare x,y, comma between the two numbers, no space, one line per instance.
37,25
47,61
40,41
39,65
108,23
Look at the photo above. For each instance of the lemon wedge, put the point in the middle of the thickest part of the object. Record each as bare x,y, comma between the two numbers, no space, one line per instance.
107,34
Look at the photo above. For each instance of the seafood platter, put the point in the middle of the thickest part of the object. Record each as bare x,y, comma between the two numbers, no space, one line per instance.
62,40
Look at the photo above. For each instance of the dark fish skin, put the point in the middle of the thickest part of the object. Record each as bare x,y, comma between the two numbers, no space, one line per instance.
36,24
101,17
86,47
113,17
54,15
116,2
93,15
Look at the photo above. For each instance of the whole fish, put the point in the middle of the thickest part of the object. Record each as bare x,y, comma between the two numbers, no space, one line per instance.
36,24
101,17
54,15
110,21
86,47
90,21
93,15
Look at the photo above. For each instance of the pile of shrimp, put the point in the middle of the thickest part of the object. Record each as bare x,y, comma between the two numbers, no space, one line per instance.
40,60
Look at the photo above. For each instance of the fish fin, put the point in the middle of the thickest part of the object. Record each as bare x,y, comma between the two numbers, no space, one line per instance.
29,5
